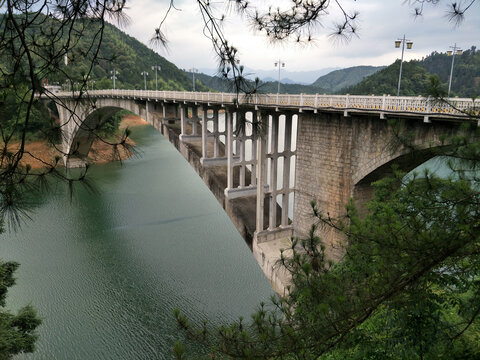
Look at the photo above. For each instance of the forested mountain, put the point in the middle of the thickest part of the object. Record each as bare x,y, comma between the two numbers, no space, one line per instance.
129,58
466,71
415,81
340,79
416,74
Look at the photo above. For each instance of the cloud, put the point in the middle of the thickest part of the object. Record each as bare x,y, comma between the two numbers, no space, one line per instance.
380,23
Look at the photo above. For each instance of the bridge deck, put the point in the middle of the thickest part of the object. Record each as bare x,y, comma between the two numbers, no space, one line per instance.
411,106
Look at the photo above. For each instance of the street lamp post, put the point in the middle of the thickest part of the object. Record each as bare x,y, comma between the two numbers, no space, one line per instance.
145,74
280,64
114,76
156,68
402,42
456,51
193,70
86,80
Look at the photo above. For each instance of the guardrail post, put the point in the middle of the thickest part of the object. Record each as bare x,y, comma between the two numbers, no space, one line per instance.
426,118
345,112
382,114
316,101
262,177
301,99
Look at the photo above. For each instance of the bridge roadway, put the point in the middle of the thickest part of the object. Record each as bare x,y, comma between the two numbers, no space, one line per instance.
327,148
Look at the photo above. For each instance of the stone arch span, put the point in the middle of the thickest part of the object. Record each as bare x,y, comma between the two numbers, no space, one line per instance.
339,157
80,118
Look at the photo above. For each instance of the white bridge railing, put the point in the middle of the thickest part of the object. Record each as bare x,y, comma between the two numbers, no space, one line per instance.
388,104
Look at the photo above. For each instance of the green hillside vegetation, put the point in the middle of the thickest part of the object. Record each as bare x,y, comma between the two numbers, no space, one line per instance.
416,75
415,81
271,87
466,71
129,58
340,79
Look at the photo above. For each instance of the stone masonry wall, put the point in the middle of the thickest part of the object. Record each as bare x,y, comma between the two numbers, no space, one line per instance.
338,157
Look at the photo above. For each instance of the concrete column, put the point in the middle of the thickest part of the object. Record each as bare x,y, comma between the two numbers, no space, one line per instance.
262,178
254,149
204,132
229,146
183,122
194,120
286,169
147,117
241,146
216,140
273,174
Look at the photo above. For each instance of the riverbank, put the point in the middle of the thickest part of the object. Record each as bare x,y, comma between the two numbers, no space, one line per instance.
38,154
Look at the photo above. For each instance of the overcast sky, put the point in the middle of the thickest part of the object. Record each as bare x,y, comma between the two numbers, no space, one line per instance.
380,23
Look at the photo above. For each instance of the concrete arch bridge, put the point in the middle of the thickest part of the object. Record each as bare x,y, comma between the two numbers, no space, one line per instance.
323,147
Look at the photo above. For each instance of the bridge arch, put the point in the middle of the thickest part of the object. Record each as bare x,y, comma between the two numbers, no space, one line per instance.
381,167
80,119
86,132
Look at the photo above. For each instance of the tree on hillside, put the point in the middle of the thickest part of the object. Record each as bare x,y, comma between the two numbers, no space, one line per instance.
407,285
36,39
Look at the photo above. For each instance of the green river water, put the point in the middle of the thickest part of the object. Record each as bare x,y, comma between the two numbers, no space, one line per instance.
106,271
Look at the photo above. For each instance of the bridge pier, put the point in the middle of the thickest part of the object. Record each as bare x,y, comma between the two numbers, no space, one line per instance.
218,158
274,197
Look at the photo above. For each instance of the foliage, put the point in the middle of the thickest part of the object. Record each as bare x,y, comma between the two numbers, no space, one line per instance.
129,58
415,75
110,127
17,332
406,287
466,71
33,48
35,38
415,81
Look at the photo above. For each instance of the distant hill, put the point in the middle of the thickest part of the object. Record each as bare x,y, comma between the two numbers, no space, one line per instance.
416,74
297,77
338,80
269,87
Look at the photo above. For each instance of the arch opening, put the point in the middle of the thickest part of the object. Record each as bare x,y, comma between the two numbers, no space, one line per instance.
363,190
88,131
